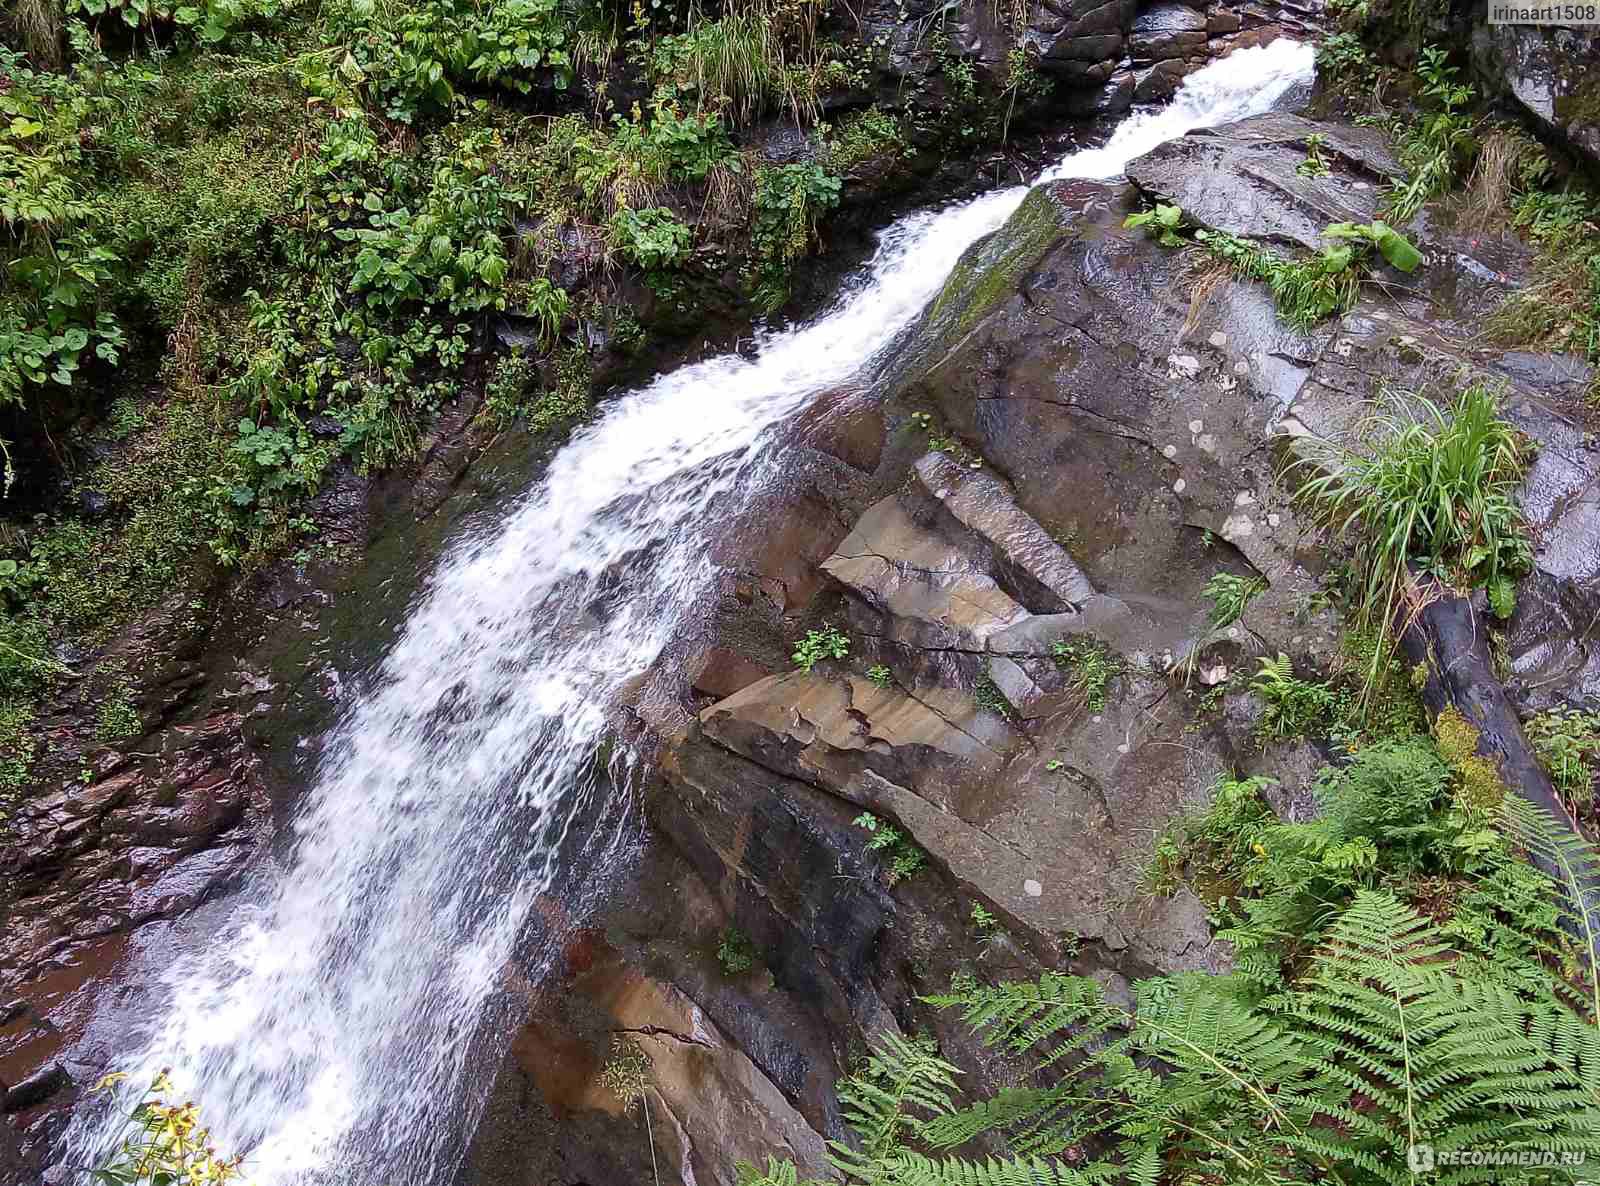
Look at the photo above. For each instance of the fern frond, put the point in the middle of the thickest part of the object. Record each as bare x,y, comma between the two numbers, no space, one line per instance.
1417,1053
913,1169
778,1173
1071,1010
879,1102
1574,864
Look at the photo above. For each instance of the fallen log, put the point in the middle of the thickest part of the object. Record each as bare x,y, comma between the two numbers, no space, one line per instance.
1450,636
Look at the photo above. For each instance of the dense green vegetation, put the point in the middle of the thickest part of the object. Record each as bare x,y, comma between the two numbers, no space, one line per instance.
1403,978
252,241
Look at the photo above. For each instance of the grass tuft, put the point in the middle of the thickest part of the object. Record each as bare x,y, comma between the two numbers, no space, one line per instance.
1434,487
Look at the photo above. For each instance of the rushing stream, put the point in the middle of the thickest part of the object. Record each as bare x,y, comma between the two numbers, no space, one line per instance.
329,1029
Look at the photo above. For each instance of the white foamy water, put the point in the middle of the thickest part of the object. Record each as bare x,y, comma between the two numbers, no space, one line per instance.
328,1031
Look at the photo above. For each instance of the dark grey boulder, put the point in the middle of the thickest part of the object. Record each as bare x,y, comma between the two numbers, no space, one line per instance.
1167,31
1243,178
1551,74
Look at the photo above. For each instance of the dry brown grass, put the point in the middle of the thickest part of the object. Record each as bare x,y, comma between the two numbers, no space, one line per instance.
1502,161
1205,273
729,195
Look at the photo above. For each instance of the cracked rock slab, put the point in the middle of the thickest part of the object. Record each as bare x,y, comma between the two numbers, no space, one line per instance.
932,596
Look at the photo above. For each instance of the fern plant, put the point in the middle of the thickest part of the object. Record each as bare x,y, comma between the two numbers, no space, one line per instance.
1385,1031
1383,1045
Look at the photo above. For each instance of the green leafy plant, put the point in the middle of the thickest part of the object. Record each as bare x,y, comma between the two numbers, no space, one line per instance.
1309,290
1344,61
788,201
506,390
118,718
777,1173
1295,707
865,137
164,1144
1391,244
1229,594
1437,147
1091,666
986,694
985,925
1164,222
626,1075
817,645
735,952
451,251
653,239
1436,487
1315,164
1567,742
880,676
904,857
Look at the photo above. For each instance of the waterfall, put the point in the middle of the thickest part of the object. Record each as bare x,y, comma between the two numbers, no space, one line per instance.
326,1029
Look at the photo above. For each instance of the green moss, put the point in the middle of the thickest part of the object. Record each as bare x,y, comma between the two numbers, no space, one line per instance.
990,270
1479,787
117,719
17,746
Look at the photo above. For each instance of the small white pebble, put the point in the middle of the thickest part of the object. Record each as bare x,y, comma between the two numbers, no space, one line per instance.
1123,748
1218,339
1237,527
1169,451
1359,185
1243,499
1241,367
1097,720
1233,632
1197,425
1206,442
1032,888
1274,519
1179,486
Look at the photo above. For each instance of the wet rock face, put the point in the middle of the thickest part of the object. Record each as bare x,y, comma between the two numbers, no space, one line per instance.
1243,178
144,834
1116,419
556,1117
1551,74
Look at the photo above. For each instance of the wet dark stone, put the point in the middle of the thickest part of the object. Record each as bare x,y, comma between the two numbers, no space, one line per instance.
1551,74
36,1088
1167,31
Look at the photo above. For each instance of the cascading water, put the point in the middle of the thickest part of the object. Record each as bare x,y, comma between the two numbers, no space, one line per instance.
326,1032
